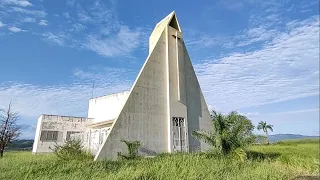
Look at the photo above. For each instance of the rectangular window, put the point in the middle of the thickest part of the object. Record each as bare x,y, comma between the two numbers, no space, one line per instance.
74,135
49,135
179,134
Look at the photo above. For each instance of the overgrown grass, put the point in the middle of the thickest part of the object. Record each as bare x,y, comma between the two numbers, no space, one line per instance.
265,162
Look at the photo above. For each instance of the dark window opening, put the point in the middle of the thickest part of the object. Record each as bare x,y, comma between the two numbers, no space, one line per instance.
49,136
173,23
175,37
72,134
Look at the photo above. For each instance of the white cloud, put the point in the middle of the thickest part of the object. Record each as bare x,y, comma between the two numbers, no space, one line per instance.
304,121
57,38
105,36
2,24
14,29
256,34
38,13
83,16
77,27
27,131
64,99
124,42
66,15
28,20
23,3
43,22
286,68
288,112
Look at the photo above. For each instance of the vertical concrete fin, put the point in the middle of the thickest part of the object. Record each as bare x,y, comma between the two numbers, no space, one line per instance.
197,109
142,116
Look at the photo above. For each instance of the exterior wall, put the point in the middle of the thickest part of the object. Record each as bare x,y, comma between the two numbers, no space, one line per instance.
106,107
96,137
186,99
166,87
144,115
62,124
198,113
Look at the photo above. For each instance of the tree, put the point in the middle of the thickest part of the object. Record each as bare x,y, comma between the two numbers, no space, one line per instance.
9,130
264,126
229,132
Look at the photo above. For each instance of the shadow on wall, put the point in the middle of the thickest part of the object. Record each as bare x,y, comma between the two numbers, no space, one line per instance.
147,151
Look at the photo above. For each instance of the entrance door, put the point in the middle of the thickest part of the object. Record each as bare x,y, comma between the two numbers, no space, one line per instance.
179,134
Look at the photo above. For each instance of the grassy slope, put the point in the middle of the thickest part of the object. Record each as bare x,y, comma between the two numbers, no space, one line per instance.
281,161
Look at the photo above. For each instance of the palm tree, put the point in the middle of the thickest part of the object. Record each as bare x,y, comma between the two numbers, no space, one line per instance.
216,137
264,126
229,132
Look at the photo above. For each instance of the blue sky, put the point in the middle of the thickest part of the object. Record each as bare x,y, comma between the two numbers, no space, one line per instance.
258,57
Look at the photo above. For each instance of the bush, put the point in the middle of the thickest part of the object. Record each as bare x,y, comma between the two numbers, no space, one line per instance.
132,147
71,150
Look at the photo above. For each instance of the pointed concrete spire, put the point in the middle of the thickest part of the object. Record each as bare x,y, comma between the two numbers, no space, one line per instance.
165,104
169,20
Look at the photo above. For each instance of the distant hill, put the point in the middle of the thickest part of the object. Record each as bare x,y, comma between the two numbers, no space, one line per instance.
280,137
21,144
26,144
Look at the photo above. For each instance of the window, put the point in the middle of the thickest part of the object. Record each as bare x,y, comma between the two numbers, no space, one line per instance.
173,23
176,37
49,136
74,135
179,134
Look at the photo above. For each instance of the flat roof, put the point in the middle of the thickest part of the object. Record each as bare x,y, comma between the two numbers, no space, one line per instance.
64,116
101,124
109,95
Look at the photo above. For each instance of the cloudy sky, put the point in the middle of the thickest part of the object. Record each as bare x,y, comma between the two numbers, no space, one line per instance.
258,57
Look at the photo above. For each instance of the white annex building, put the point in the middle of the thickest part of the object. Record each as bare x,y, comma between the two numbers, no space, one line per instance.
163,107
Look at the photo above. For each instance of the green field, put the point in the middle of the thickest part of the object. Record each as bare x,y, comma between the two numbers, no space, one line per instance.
285,160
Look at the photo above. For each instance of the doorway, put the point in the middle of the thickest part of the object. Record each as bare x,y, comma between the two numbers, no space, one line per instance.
179,134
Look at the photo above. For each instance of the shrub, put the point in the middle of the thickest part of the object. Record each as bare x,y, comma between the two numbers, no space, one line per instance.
71,150
132,147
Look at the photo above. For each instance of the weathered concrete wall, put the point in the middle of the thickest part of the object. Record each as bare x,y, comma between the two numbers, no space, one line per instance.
186,99
157,32
96,137
106,107
62,124
144,115
178,106
198,114
166,87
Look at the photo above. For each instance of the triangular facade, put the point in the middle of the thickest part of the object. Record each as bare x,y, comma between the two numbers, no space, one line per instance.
165,103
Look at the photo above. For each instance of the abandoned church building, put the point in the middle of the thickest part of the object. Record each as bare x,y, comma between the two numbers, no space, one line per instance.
163,107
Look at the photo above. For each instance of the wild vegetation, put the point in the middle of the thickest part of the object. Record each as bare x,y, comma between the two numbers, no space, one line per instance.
132,148
230,134
71,150
233,155
285,160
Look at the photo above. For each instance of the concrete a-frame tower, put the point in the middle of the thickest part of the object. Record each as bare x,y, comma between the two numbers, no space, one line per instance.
165,103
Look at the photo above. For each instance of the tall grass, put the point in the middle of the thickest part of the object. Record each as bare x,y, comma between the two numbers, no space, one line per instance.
275,162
